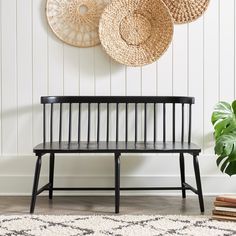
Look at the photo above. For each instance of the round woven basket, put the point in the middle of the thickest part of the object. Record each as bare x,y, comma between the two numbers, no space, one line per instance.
75,22
136,32
185,11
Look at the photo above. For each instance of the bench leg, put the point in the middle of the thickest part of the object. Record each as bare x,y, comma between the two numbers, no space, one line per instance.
198,182
182,174
117,182
35,185
51,174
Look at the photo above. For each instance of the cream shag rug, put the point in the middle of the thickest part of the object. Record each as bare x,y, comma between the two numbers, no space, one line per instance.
123,225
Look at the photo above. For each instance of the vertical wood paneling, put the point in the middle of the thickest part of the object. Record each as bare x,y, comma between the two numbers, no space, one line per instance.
24,70
149,79
71,70
87,76
87,81
9,78
234,50
180,67
180,60
195,62
71,83
200,62
102,72
118,81
133,88
118,88
211,70
0,77
227,50
164,86
165,73
149,87
34,62
133,77
56,79
102,69
40,65
55,65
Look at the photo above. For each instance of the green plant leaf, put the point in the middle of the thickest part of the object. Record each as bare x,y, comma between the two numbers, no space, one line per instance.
234,106
232,156
224,144
224,119
230,170
221,111
225,148
223,166
220,159
224,122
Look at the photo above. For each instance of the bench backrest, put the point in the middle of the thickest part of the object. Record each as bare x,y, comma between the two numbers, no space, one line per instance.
155,111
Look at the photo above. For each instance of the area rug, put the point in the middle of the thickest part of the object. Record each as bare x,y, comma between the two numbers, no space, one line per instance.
123,225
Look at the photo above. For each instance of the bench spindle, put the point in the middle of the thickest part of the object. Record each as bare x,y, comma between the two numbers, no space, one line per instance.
173,122
51,124
79,121
69,131
154,118
145,122
88,135
182,127
190,123
108,117
126,122
44,123
117,122
136,122
164,122
98,122
60,122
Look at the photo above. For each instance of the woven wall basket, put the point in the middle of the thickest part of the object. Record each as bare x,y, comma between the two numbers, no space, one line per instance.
136,32
185,11
76,21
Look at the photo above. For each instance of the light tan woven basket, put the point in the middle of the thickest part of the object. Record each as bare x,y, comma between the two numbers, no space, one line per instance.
136,32
75,22
185,11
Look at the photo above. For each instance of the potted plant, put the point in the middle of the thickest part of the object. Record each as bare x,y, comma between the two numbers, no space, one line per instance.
224,122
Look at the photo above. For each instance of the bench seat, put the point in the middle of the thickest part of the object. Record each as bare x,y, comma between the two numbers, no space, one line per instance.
120,146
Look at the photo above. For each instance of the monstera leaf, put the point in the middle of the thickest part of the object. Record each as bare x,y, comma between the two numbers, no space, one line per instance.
224,122
225,148
223,118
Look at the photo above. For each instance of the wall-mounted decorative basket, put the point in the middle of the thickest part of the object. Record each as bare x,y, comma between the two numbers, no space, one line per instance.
76,22
136,32
185,11
132,32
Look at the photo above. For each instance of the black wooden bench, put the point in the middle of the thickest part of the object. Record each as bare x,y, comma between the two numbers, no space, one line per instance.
171,118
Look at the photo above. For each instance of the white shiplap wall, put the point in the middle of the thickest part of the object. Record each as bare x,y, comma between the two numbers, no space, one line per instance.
200,62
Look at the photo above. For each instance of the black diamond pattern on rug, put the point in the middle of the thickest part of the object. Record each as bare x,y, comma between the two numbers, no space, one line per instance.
123,225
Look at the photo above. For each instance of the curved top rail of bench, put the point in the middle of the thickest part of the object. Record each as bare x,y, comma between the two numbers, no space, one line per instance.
117,99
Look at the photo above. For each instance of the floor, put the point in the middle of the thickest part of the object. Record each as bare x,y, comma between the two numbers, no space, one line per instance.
83,205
